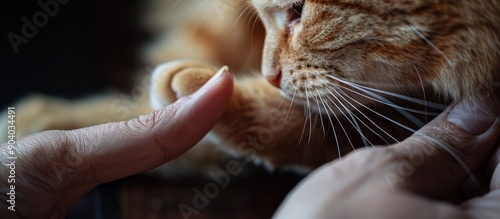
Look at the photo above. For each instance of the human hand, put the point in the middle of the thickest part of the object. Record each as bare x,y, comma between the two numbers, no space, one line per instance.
411,179
54,168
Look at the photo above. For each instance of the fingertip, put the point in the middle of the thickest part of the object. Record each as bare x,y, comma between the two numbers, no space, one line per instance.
196,114
452,146
475,116
490,136
221,83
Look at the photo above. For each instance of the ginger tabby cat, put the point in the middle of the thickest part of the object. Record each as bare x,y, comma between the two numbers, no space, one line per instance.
351,72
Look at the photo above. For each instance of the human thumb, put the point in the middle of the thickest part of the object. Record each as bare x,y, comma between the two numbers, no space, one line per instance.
443,154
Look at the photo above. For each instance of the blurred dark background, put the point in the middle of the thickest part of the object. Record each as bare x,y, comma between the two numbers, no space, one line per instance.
91,46
86,47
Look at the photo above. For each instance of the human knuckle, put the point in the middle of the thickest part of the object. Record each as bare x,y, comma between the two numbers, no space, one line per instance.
155,124
143,122
456,140
165,154
56,155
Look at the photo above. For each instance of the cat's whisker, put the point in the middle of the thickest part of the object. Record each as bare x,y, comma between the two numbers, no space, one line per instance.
254,14
252,33
336,116
441,53
425,103
320,117
340,123
453,152
236,22
279,106
333,127
433,105
381,115
392,104
402,110
200,5
343,95
354,122
174,6
254,17
304,110
307,118
303,130
291,104
309,114
423,93
406,114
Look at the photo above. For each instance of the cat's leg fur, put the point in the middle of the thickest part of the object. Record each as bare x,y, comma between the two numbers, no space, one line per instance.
40,112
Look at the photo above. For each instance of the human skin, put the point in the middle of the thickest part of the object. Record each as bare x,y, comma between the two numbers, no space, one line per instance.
55,168
411,179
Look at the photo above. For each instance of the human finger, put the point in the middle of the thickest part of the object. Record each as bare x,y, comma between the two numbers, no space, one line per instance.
115,150
437,159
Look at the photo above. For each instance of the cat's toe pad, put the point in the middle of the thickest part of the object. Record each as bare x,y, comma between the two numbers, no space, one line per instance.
176,79
188,81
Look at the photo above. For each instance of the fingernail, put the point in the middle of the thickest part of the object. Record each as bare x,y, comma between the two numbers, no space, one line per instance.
473,116
212,82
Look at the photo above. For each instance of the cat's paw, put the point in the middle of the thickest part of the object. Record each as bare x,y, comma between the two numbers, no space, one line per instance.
175,79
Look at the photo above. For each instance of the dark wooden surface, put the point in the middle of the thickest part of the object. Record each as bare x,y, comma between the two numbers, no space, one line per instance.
150,197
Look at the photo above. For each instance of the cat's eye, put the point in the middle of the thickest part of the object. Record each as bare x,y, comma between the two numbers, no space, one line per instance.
295,15
297,11
298,8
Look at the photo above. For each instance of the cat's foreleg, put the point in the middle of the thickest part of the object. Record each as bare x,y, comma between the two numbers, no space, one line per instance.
40,112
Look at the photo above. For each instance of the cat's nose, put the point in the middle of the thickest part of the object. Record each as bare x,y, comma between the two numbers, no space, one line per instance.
275,78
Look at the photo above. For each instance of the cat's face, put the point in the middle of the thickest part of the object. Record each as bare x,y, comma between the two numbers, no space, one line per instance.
313,47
